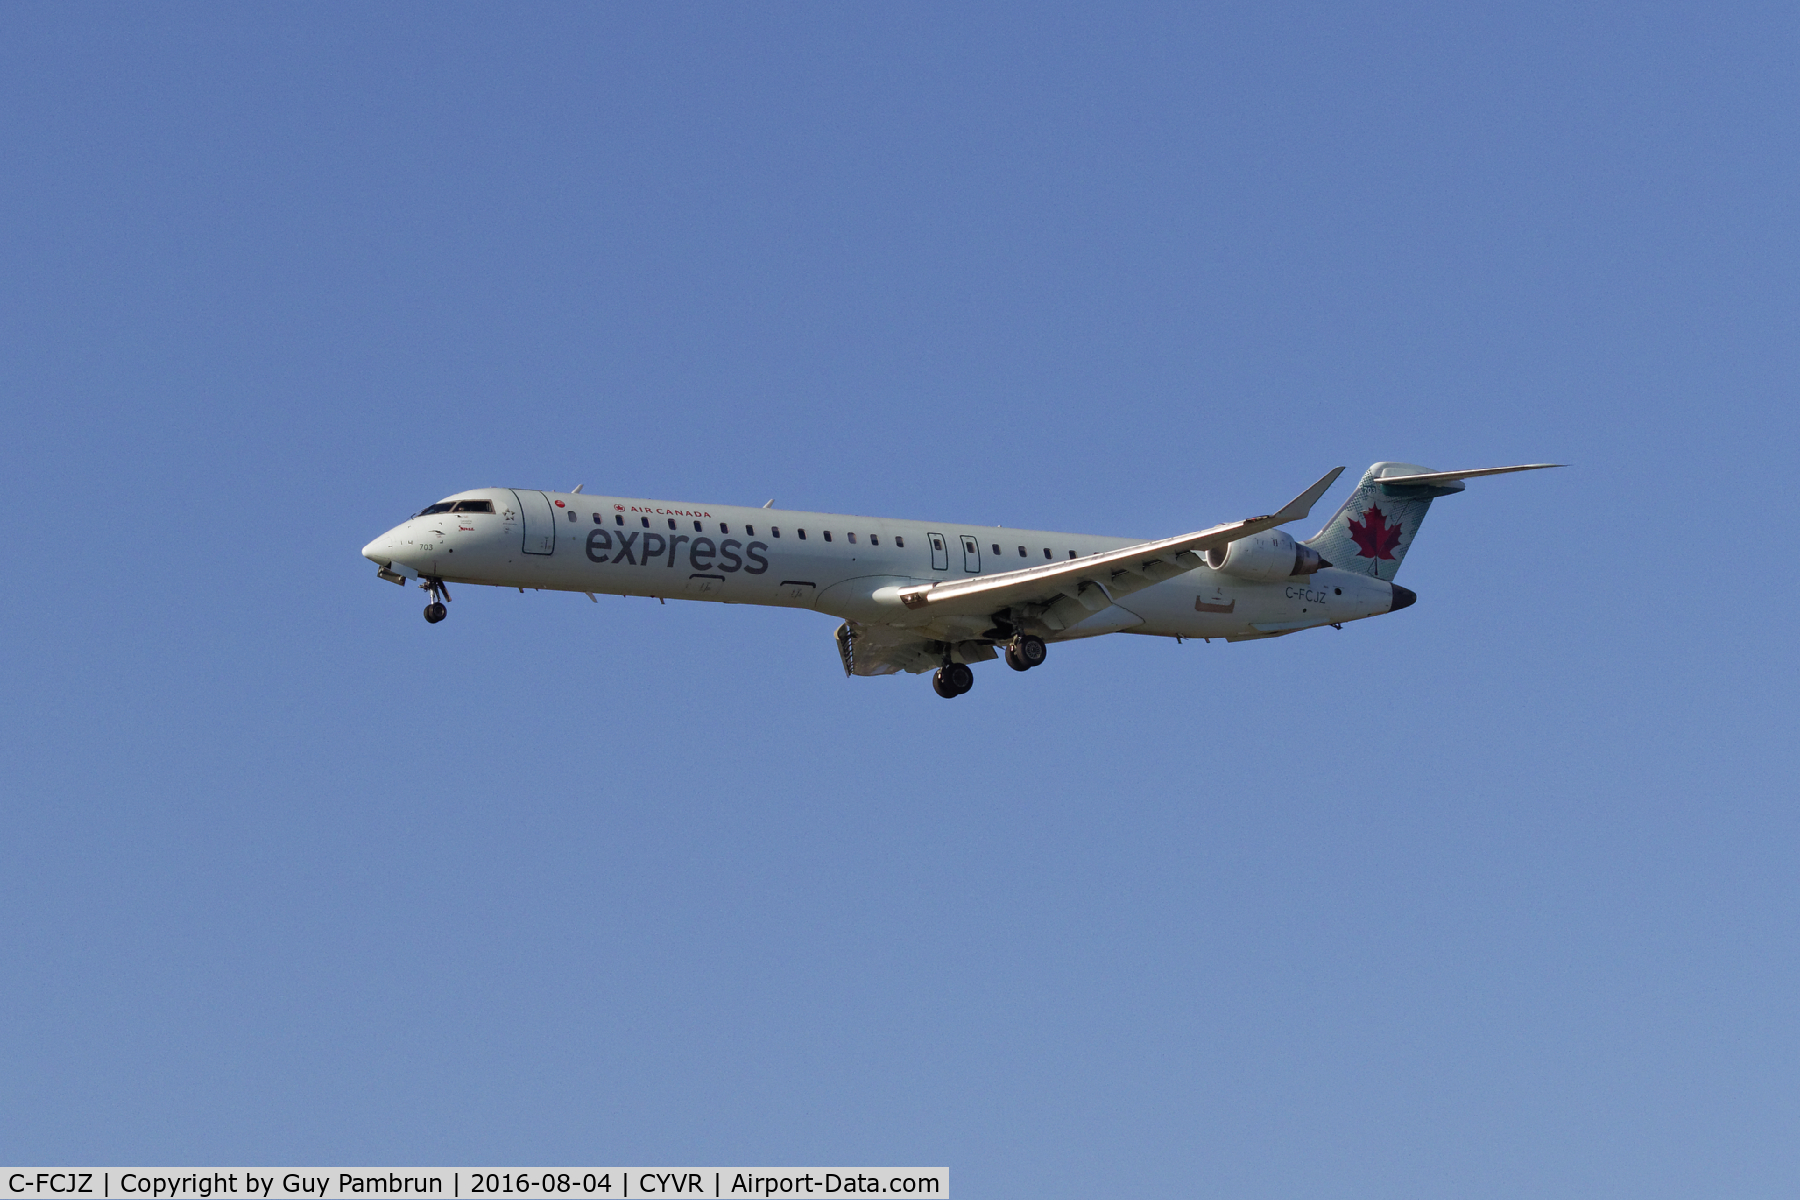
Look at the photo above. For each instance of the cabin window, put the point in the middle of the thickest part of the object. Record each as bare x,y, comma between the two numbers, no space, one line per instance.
774,531
430,509
749,531
996,547
571,516
599,520
618,519
874,539
1071,554
803,535
724,528
1046,552
828,535
900,542
486,506
1021,552
671,522
646,521
852,538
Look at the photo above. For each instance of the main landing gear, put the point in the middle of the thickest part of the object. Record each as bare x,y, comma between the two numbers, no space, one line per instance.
1025,652
952,680
435,611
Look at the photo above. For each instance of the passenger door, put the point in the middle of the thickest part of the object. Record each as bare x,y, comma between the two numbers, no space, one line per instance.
940,552
971,554
540,522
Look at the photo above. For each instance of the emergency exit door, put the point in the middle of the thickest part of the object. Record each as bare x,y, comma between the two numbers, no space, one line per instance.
971,554
940,553
539,522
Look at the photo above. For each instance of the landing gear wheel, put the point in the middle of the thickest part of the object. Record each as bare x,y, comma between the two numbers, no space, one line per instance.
435,611
958,676
1029,650
941,687
1025,652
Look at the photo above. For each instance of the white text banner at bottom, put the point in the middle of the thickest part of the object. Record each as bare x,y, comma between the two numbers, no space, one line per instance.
464,1183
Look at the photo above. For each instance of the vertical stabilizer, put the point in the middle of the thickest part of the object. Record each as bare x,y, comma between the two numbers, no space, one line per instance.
1373,530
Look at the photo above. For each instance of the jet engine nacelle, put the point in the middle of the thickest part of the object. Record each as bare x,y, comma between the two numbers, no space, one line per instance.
1265,557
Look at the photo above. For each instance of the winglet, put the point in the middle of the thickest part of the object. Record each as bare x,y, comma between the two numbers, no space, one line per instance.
1297,508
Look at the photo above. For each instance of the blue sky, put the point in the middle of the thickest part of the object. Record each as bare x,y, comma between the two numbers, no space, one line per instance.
1495,896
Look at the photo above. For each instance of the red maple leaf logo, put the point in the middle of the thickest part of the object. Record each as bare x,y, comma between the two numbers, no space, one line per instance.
1373,536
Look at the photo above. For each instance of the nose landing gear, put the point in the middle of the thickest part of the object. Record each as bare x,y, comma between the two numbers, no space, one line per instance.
435,611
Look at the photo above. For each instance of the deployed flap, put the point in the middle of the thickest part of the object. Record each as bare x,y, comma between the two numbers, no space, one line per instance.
885,650
1073,589
1453,476
880,650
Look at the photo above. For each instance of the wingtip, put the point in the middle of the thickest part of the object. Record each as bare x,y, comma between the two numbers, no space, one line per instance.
1297,508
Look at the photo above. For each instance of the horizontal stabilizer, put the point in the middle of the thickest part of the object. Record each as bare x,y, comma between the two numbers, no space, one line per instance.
1375,527
1454,476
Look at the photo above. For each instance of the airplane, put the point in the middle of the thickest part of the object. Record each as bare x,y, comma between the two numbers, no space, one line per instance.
937,596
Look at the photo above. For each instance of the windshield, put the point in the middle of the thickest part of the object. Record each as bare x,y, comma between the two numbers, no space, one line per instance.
461,506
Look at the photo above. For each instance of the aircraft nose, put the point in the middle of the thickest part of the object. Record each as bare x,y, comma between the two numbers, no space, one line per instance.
1403,598
381,550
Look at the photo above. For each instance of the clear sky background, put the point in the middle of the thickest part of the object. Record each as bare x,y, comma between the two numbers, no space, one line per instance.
1492,897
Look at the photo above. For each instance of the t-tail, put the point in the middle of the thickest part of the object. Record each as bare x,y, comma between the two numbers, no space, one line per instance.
1375,528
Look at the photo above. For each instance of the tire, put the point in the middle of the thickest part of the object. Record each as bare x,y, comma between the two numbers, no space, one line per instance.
1031,650
958,676
435,612
941,687
1015,662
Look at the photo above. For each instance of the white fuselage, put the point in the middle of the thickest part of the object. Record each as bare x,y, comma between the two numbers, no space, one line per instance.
825,561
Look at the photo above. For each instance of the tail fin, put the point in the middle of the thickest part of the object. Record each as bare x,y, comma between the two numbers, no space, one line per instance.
1375,528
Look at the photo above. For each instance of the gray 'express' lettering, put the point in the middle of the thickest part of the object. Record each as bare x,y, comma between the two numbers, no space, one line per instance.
700,555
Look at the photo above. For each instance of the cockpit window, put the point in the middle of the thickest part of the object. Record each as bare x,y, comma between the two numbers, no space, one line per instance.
436,508
486,506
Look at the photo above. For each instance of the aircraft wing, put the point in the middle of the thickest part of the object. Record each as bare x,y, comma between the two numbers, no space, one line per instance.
1070,591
